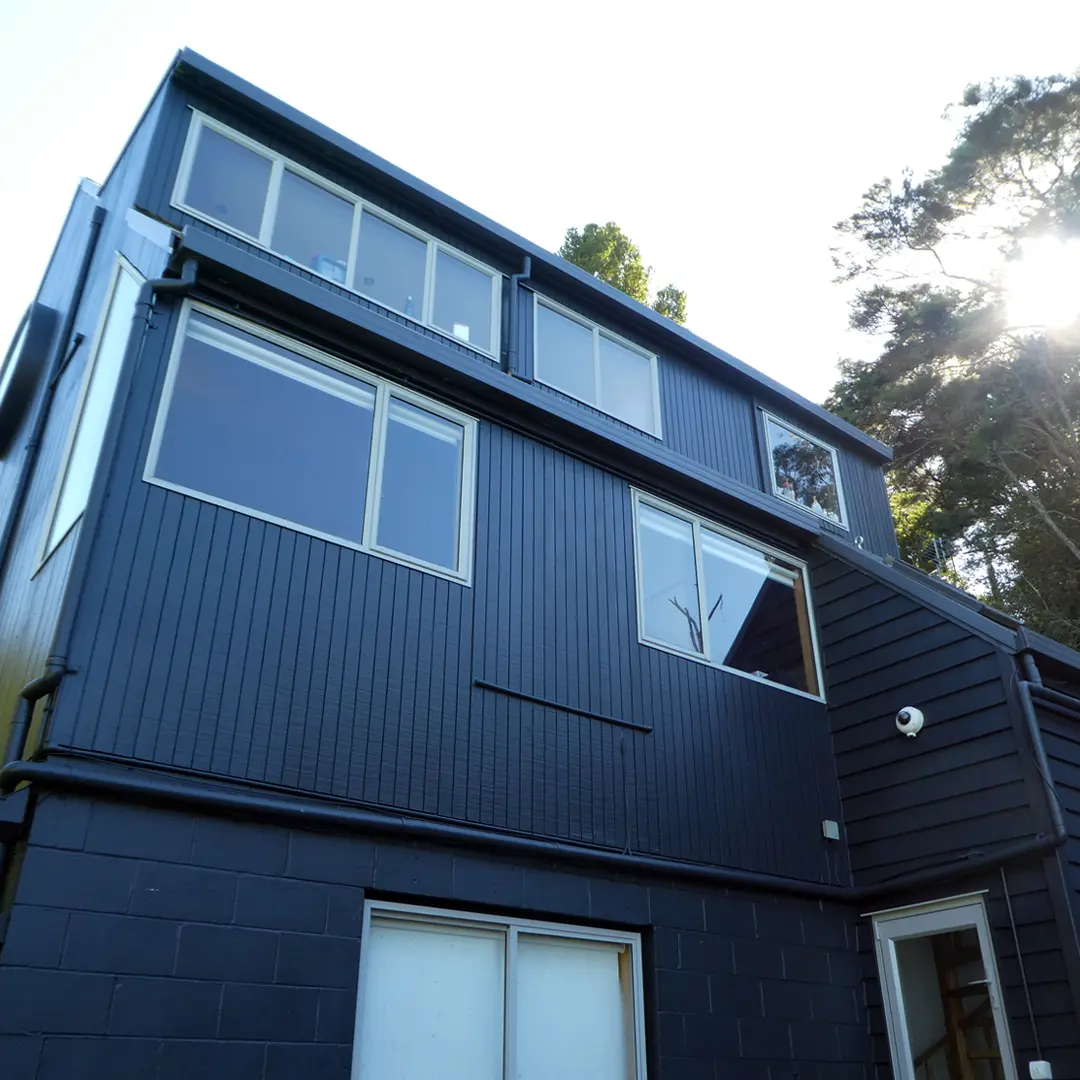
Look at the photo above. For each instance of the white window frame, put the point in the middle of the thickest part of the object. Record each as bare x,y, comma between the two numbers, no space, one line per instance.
120,266
512,926
598,331
937,917
383,390
780,422
697,523
279,163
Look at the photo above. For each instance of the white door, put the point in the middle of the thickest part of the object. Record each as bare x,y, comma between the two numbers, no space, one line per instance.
942,993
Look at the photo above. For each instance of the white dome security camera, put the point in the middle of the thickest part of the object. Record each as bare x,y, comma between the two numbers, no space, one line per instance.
909,721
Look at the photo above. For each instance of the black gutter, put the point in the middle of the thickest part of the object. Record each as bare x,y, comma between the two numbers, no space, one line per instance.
206,76
372,338
41,417
160,786
512,321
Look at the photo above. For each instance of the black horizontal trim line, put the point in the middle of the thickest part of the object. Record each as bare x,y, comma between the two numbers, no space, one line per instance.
521,695
153,783
198,71
469,380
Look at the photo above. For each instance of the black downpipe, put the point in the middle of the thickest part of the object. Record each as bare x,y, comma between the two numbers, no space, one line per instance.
55,670
512,321
56,666
60,354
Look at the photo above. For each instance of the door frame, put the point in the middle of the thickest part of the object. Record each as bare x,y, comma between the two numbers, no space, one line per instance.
921,920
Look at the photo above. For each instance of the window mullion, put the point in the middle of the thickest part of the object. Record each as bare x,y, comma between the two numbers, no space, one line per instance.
510,1006
597,382
378,454
496,315
699,569
266,228
354,244
428,306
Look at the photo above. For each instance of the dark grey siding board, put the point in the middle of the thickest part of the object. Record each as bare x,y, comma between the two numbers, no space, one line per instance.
212,641
709,422
962,783
867,503
1061,737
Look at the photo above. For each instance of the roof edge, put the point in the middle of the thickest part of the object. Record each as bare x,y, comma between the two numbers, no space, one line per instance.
973,615
188,61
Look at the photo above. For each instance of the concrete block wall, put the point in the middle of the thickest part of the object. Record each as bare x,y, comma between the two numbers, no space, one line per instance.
161,944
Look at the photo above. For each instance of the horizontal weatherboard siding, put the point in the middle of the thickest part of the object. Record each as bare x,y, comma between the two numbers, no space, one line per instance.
960,785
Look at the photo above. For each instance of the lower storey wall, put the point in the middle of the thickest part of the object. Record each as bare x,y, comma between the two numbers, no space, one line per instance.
1039,932
162,945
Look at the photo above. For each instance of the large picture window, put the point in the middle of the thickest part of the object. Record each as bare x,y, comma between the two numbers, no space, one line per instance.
722,599
804,470
590,364
454,994
239,185
256,423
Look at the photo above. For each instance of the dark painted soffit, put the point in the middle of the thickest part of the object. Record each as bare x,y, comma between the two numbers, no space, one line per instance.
196,70
952,603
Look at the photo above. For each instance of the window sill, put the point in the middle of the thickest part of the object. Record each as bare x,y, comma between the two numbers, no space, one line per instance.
697,658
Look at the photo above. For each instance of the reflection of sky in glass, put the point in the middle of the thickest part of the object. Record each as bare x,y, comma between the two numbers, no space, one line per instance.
734,576
271,454
669,580
421,485
626,388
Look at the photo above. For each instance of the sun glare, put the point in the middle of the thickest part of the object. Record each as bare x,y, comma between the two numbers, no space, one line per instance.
1042,287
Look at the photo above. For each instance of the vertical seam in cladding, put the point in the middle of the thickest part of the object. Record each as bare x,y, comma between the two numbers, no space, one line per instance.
313,731
150,611
210,713
205,512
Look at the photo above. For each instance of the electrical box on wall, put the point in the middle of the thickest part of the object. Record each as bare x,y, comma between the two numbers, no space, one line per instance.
1040,1070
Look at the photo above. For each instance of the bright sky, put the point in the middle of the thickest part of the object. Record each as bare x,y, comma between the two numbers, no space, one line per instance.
726,137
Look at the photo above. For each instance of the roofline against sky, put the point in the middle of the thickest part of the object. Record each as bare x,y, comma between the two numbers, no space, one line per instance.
192,65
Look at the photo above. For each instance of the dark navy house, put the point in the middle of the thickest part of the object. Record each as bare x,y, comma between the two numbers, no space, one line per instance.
419,660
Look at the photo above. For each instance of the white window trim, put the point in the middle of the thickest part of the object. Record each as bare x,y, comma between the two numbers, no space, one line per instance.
597,332
383,390
697,523
512,927
766,417
897,924
45,551
279,163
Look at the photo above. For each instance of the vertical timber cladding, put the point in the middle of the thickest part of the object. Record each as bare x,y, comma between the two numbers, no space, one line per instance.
143,938
706,418
214,641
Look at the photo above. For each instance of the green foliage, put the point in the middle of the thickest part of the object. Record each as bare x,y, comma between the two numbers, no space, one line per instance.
607,253
984,418
670,302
